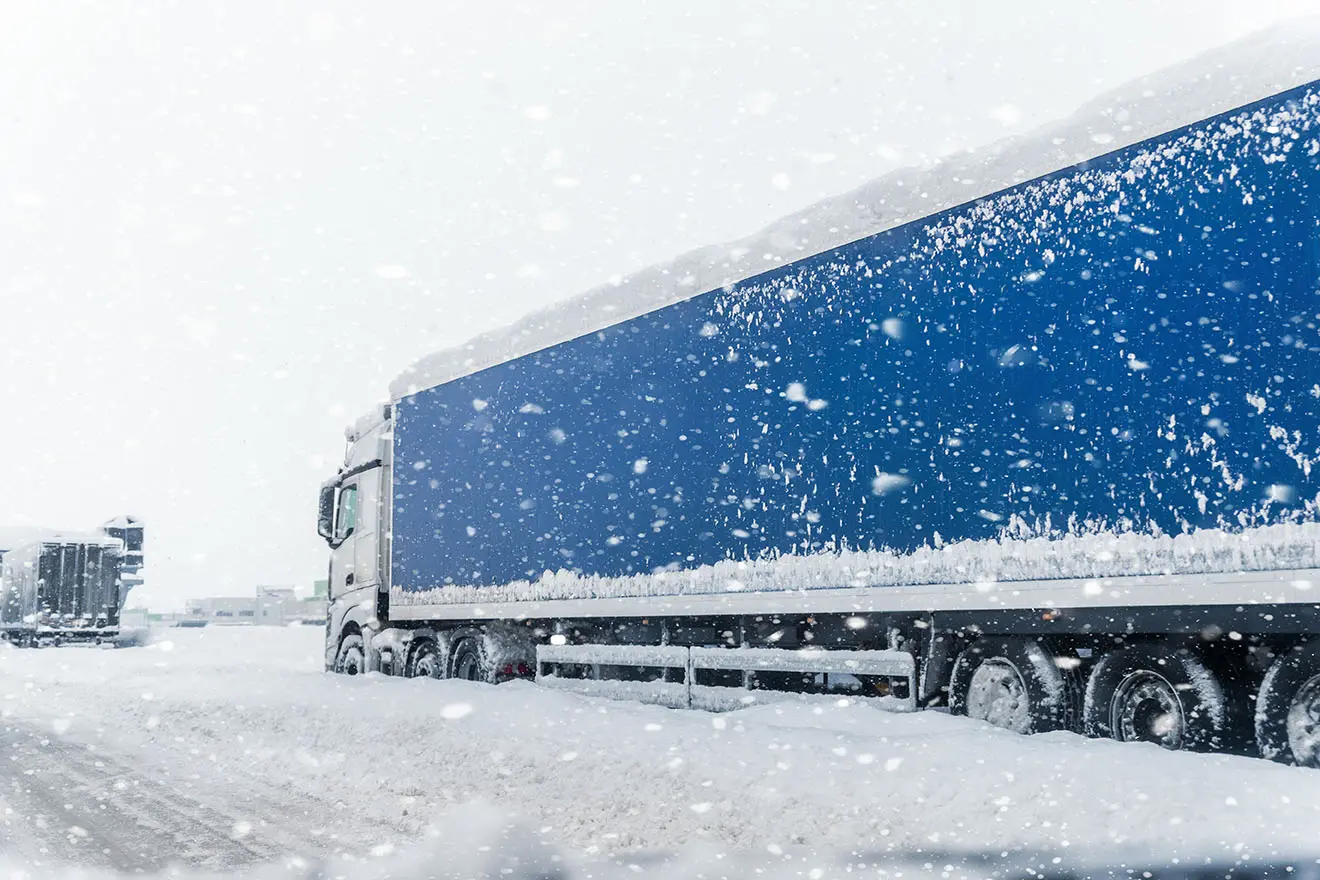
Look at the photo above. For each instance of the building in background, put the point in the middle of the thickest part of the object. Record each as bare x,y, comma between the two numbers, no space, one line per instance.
269,606
221,610
274,605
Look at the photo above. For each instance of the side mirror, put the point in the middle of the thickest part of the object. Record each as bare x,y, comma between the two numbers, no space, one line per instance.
325,513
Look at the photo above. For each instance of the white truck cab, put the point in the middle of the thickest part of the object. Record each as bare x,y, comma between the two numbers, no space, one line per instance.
353,518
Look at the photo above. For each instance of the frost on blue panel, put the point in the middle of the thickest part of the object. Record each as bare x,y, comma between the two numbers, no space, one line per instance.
1125,351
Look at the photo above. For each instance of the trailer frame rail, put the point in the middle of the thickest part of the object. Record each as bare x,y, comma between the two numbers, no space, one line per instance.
594,666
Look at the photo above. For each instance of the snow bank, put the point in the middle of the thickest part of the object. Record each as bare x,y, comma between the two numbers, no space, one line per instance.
1248,70
359,771
1280,547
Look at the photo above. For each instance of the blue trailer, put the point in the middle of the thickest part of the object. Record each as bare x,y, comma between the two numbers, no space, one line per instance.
1047,457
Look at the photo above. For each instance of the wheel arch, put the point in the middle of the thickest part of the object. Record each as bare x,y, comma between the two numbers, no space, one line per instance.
347,616
1291,671
1207,712
423,639
462,639
1055,690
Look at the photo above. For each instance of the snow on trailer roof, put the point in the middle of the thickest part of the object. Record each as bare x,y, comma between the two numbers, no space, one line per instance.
1271,61
14,537
122,522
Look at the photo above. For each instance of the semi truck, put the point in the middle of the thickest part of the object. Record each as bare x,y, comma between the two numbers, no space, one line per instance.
1038,444
59,587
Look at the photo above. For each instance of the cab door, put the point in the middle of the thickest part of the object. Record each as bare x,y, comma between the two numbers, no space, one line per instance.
343,547
355,554
367,531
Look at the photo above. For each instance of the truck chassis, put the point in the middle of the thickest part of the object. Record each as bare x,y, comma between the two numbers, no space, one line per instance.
1187,672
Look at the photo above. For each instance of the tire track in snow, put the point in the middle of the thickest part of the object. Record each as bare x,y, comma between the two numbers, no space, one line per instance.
65,802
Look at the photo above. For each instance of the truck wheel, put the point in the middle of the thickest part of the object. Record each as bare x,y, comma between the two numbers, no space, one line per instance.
1156,694
351,659
426,661
1011,683
468,661
1288,708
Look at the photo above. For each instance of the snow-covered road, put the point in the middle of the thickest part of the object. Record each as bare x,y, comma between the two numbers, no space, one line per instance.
66,802
221,747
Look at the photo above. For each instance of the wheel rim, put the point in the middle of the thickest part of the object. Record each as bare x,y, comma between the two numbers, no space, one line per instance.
997,695
1146,708
426,665
352,662
1304,724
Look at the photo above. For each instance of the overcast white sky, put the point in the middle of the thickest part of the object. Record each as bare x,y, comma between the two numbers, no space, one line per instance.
203,206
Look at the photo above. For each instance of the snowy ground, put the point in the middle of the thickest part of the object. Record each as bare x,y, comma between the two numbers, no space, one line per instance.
224,748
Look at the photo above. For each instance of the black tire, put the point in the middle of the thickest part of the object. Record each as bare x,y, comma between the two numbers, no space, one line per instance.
1013,683
425,660
468,661
1288,708
1159,694
352,656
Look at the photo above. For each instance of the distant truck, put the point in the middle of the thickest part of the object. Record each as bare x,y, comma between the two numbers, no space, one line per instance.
63,587
1041,445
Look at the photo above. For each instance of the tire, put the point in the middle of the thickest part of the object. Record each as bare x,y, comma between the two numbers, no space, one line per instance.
425,661
1288,708
1158,694
352,657
1014,684
468,661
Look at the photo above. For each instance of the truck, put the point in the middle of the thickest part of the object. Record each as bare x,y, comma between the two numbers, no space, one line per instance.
59,587
1032,436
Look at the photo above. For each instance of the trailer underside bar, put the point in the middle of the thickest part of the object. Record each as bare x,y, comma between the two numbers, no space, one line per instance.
598,660
897,664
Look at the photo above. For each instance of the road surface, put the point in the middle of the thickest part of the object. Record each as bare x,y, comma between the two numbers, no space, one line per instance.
64,802
220,749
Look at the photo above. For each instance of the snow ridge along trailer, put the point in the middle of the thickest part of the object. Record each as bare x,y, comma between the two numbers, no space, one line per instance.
1056,445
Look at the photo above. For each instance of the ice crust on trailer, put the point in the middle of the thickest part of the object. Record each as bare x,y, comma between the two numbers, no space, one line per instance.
1250,69
980,564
